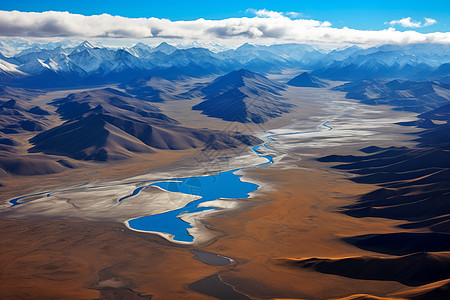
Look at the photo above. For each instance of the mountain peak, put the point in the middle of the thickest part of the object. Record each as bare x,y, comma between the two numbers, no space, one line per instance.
86,44
234,79
141,46
165,48
245,46
244,73
83,46
240,74
242,78
243,96
306,80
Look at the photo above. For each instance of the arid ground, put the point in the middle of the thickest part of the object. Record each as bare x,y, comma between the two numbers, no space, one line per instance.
294,216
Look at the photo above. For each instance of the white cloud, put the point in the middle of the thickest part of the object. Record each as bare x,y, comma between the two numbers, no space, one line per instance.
293,14
265,27
265,13
429,21
409,22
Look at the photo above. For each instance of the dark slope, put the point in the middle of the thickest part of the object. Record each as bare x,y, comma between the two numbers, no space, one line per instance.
433,291
243,96
88,139
401,243
414,269
437,290
442,71
402,95
108,124
306,80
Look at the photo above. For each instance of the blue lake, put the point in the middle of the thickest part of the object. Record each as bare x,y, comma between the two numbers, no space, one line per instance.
225,185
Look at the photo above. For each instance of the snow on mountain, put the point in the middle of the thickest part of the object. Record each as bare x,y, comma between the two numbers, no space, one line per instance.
81,47
213,47
139,50
9,48
38,66
63,64
10,71
90,58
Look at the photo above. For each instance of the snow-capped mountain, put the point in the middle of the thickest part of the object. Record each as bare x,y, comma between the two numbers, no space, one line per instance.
9,71
139,50
211,46
86,63
89,58
9,48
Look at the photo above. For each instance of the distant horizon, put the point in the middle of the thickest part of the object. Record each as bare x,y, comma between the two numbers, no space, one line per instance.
212,46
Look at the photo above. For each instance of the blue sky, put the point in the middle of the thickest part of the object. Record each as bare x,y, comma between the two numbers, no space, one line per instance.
366,15
230,22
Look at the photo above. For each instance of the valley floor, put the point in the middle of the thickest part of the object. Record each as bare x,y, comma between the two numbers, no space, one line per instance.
293,216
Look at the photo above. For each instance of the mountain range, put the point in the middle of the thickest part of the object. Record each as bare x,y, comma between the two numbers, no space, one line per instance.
68,65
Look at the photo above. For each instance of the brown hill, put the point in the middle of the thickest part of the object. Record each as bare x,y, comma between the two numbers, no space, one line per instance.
108,124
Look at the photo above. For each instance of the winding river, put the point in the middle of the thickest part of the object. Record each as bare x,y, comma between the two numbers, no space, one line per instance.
224,185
